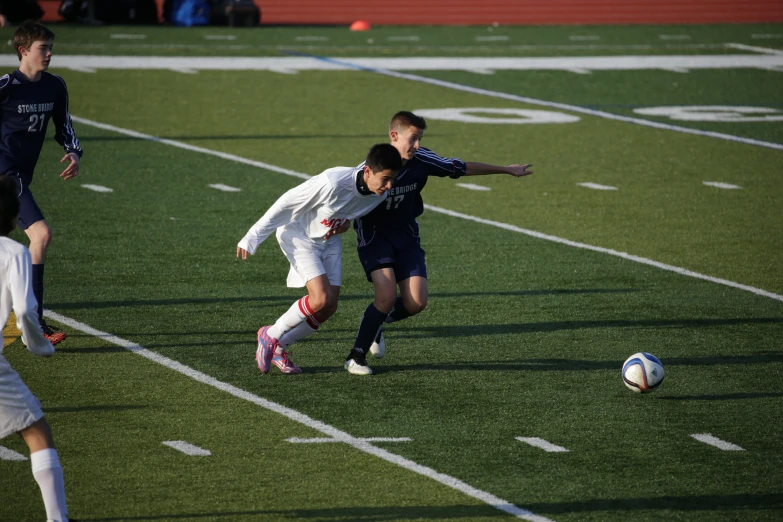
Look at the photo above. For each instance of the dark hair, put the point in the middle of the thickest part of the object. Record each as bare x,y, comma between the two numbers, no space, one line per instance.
9,205
404,119
30,32
383,156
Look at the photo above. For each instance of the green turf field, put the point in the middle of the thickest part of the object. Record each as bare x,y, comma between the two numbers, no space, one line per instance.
523,336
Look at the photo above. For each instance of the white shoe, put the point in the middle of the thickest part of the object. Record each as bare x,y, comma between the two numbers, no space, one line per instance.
378,348
357,368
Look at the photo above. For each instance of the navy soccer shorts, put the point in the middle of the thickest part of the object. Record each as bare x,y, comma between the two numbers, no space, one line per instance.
407,260
29,211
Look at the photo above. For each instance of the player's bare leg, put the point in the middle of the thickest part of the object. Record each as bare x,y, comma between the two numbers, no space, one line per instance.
46,468
414,293
412,300
385,285
40,236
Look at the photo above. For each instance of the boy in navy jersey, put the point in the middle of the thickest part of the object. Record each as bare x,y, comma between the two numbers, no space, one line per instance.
29,98
389,245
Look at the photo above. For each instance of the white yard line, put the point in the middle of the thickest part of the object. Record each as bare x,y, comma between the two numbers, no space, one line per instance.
766,36
9,454
505,226
587,38
674,36
187,448
311,38
403,39
492,38
309,62
706,438
321,440
564,106
219,37
97,188
225,188
596,186
301,418
128,36
720,184
471,186
543,444
755,49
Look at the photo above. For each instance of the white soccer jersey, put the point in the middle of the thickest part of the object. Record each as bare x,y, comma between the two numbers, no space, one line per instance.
16,293
311,209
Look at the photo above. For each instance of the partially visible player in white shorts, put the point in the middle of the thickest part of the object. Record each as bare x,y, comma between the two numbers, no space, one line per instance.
20,410
308,220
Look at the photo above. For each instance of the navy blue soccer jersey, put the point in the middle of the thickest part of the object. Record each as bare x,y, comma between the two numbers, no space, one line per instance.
27,108
397,215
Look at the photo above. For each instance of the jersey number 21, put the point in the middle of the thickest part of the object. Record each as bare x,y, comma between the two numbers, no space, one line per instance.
36,122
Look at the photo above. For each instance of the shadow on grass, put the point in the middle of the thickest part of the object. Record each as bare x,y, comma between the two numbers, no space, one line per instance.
557,365
347,514
293,297
771,501
104,407
555,326
683,503
723,397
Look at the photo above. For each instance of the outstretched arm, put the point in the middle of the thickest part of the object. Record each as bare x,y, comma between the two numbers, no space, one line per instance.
482,169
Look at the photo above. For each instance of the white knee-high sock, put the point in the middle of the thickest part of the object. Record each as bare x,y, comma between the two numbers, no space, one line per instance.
299,313
49,475
297,334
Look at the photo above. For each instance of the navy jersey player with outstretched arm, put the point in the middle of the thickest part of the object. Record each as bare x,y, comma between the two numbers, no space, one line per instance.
389,245
29,98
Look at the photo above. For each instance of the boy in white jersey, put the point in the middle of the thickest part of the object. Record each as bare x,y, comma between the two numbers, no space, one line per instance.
308,219
20,410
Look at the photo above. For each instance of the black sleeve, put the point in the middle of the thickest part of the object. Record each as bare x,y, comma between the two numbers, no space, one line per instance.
64,133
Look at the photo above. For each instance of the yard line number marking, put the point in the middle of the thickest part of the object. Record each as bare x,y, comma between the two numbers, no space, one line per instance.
225,188
187,448
9,454
546,103
471,186
706,438
301,418
97,188
321,440
596,186
543,444
721,185
505,226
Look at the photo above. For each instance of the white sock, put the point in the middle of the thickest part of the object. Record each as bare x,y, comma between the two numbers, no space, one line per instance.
297,334
299,312
49,475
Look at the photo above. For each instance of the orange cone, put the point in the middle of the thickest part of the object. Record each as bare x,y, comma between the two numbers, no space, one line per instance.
360,25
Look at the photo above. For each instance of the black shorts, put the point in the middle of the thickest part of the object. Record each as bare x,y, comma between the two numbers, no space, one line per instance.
400,250
29,211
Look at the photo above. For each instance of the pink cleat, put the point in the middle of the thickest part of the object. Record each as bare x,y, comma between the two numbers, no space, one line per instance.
266,350
285,364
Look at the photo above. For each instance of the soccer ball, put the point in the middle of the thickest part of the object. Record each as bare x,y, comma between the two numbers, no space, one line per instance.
642,372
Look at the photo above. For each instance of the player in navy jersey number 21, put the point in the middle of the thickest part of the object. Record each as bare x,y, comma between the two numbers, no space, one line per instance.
389,246
29,98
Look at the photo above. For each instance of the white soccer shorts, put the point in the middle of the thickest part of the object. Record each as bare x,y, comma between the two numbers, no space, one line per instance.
310,260
19,408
